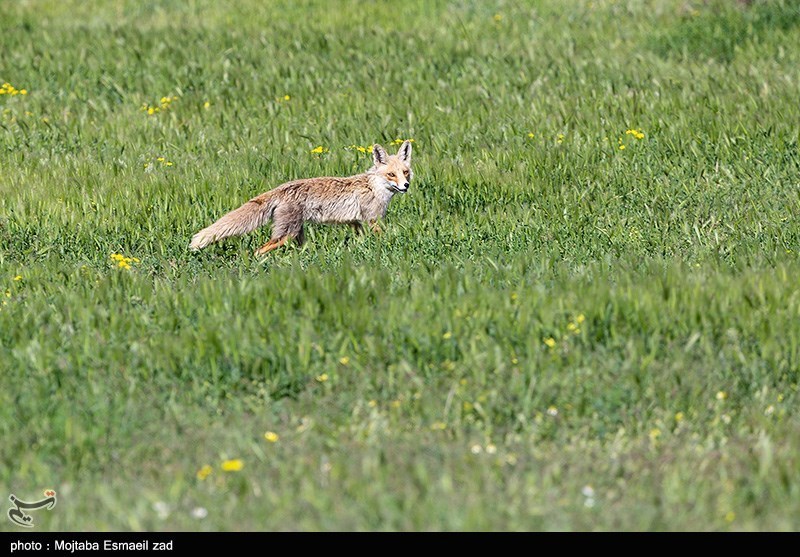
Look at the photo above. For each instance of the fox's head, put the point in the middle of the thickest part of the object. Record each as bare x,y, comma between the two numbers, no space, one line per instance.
394,171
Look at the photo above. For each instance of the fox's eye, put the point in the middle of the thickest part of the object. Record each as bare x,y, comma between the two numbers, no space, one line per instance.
391,175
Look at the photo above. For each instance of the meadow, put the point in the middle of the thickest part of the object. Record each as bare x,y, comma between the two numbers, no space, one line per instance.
584,315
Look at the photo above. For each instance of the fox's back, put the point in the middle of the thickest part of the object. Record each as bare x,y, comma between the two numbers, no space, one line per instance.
328,199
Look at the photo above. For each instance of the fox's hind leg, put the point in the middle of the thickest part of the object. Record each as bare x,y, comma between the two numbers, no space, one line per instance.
271,245
298,238
287,223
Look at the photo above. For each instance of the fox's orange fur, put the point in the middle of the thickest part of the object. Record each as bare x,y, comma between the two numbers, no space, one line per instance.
351,200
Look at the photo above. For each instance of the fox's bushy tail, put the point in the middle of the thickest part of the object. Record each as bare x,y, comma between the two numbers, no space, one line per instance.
240,221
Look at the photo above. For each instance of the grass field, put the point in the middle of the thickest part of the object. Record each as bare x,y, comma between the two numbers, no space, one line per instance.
585,314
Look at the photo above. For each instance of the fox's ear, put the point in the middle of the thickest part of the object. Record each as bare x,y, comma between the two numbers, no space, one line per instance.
405,152
379,156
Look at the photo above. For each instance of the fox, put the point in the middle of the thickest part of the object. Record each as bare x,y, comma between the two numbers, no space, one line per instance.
353,200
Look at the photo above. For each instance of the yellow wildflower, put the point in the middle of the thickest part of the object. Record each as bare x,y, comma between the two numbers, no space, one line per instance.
344,360
322,378
18,278
271,436
498,17
654,434
204,472
531,135
722,395
122,261
372,403
550,342
232,465
162,160
679,417
580,319
286,97
447,335
319,150
360,149
398,141
207,105
163,104
8,89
